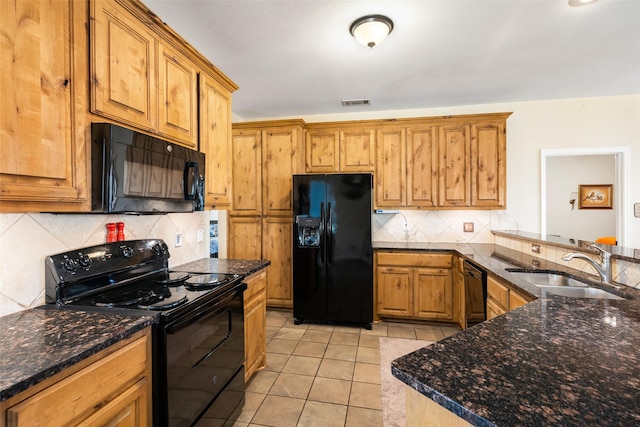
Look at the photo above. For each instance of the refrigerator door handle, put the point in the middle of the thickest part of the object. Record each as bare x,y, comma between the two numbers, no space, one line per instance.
329,234
322,228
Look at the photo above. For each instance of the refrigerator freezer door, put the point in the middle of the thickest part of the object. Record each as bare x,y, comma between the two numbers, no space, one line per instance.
309,272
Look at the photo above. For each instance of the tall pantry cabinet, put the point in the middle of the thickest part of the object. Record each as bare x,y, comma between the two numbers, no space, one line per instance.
265,157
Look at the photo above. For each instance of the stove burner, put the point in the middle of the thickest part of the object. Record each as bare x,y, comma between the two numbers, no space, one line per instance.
156,298
206,281
174,279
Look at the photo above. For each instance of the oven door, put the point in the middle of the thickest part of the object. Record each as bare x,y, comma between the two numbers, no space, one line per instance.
204,352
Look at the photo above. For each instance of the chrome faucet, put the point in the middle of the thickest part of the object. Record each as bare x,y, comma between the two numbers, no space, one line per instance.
603,268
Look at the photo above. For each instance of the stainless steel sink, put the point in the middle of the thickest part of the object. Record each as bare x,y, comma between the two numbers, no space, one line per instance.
578,292
550,279
559,284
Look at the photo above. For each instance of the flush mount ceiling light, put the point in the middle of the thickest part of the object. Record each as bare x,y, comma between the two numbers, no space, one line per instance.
371,30
576,3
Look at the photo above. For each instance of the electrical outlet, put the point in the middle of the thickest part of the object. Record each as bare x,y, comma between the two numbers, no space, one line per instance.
178,238
200,235
468,227
636,210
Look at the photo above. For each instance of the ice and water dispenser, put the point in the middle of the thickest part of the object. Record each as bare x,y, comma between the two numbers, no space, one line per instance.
309,229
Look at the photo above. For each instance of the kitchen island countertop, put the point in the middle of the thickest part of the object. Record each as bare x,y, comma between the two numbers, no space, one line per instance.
38,343
555,361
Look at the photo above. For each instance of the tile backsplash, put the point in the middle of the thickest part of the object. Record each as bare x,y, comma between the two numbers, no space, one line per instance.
26,239
446,226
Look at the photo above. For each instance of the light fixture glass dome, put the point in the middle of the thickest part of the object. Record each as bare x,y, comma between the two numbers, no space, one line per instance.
371,30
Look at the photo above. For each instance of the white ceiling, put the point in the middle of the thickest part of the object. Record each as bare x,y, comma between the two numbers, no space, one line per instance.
296,57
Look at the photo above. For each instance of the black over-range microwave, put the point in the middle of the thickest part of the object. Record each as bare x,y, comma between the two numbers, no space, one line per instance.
136,173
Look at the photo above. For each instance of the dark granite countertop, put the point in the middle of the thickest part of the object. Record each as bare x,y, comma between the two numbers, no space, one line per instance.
38,343
242,267
555,361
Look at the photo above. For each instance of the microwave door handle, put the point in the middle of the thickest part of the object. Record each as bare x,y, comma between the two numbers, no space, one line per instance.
191,177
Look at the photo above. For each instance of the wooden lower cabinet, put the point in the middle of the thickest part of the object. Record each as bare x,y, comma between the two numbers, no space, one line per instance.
111,388
255,318
422,411
501,299
277,247
414,286
245,237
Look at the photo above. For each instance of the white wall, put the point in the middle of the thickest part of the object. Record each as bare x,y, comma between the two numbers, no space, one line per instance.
552,124
564,175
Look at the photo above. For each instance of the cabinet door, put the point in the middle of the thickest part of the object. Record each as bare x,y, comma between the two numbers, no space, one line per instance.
321,150
494,310
453,175
394,291
255,318
433,294
123,65
127,409
215,142
177,97
357,150
43,161
422,167
246,153
277,247
516,300
488,165
390,168
279,149
245,237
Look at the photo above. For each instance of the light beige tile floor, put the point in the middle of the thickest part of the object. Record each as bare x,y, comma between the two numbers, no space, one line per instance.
323,375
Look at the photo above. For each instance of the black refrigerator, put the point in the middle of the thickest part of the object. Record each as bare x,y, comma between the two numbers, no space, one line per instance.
332,253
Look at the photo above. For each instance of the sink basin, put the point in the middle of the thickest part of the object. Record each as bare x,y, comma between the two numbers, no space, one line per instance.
559,284
578,292
546,278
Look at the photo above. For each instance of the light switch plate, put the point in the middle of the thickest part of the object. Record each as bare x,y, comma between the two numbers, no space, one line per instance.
636,210
200,235
468,227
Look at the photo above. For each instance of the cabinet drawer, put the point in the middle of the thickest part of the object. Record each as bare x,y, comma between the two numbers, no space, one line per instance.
498,292
83,391
256,283
418,259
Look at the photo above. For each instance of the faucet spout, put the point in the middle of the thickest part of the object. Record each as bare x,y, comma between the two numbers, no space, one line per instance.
603,268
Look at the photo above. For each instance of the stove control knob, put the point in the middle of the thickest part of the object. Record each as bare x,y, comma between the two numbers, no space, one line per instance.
127,251
157,249
165,248
69,265
84,261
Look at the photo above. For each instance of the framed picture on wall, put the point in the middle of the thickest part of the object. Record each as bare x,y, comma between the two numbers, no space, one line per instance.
595,196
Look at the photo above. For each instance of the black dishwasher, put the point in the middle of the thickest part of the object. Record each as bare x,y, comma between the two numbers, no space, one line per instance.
475,285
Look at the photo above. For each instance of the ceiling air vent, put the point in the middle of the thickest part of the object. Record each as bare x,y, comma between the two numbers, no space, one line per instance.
350,102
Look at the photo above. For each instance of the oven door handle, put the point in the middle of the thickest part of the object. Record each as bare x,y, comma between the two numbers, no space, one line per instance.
207,310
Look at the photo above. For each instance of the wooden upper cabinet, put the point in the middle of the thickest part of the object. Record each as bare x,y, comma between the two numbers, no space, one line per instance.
177,97
282,157
215,142
322,150
123,66
390,168
246,154
357,150
43,164
454,165
488,164
422,166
